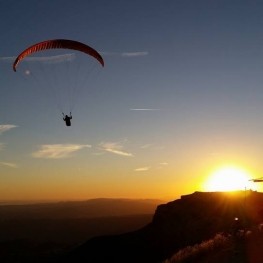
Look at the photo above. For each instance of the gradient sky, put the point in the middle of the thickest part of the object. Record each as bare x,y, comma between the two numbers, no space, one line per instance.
180,95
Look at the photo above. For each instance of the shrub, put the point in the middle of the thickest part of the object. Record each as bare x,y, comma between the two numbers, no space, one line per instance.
191,252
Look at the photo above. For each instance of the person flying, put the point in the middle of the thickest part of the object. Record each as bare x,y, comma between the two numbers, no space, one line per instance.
67,119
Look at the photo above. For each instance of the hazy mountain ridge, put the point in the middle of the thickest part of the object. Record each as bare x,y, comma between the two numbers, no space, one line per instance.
175,225
100,207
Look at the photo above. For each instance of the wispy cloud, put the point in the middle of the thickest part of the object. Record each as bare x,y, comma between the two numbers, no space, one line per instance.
126,54
114,147
162,165
47,59
53,59
146,146
144,109
58,151
6,127
134,54
7,58
11,165
142,169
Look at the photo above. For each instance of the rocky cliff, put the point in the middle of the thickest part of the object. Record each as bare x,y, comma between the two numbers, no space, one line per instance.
183,222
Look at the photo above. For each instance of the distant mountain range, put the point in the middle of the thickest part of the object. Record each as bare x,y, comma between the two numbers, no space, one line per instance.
175,225
100,207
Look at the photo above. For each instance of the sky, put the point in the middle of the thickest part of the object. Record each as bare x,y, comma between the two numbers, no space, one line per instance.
180,96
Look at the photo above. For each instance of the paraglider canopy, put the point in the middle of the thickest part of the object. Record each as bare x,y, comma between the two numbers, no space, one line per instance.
59,43
63,76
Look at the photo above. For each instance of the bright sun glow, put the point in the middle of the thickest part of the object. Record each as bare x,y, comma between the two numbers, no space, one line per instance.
228,179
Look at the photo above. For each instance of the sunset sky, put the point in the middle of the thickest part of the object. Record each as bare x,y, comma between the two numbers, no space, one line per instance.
180,96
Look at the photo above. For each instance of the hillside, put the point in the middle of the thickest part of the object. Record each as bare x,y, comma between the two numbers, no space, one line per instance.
176,225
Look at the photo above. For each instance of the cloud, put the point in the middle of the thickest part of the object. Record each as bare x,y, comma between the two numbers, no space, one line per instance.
126,54
58,151
146,146
142,169
7,59
144,109
11,165
162,165
115,147
134,54
45,59
53,59
6,127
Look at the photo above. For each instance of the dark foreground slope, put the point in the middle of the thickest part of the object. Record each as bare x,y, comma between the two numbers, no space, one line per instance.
175,225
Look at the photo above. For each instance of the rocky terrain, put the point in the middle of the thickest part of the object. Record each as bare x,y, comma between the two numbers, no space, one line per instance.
184,222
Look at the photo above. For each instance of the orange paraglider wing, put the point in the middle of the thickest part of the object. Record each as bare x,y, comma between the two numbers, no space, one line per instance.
59,43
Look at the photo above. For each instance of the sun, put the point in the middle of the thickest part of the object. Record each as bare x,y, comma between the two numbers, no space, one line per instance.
228,179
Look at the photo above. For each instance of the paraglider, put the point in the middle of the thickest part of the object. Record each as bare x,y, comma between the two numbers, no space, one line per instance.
67,119
43,68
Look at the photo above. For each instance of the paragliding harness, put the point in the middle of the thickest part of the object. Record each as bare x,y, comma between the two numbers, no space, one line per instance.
67,119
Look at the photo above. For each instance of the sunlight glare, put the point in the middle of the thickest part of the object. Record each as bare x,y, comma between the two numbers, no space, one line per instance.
228,179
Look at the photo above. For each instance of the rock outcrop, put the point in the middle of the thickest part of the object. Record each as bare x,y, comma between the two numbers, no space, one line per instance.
177,224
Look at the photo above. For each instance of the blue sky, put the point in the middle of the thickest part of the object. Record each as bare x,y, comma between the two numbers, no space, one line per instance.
180,94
